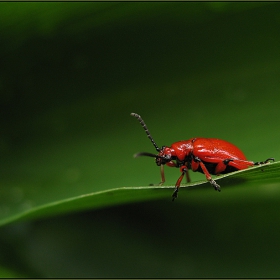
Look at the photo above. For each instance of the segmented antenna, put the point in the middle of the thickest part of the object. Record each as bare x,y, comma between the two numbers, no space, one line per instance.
146,130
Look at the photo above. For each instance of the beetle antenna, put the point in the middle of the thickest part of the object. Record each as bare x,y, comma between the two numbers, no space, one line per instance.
145,154
146,130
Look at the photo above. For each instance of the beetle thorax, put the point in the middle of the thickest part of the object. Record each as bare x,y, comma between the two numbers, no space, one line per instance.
178,151
182,149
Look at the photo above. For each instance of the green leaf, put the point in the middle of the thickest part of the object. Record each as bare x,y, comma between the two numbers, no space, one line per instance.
257,180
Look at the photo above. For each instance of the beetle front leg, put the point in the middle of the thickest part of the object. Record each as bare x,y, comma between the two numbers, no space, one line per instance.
197,162
184,170
162,174
264,162
170,164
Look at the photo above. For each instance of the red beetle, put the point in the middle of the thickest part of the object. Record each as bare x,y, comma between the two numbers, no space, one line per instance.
205,155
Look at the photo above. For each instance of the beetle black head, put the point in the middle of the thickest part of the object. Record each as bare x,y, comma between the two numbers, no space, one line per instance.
161,158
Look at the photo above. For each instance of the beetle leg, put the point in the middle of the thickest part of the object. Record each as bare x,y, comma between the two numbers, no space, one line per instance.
222,165
237,163
162,174
264,162
184,171
207,174
240,164
188,176
170,164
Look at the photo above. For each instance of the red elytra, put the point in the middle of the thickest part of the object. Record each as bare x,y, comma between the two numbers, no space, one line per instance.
205,155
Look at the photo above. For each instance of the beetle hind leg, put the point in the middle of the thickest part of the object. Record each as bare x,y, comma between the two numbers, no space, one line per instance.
264,162
236,164
222,165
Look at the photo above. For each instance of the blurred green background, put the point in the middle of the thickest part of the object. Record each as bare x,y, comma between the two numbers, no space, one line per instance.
71,74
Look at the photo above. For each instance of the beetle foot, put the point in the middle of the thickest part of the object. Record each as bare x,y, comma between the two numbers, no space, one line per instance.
264,162
215,185
175,193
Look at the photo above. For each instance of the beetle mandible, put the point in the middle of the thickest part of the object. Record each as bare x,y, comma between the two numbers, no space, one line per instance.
206,155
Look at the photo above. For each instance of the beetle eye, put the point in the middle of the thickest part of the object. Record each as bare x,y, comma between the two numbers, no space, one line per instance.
167,157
